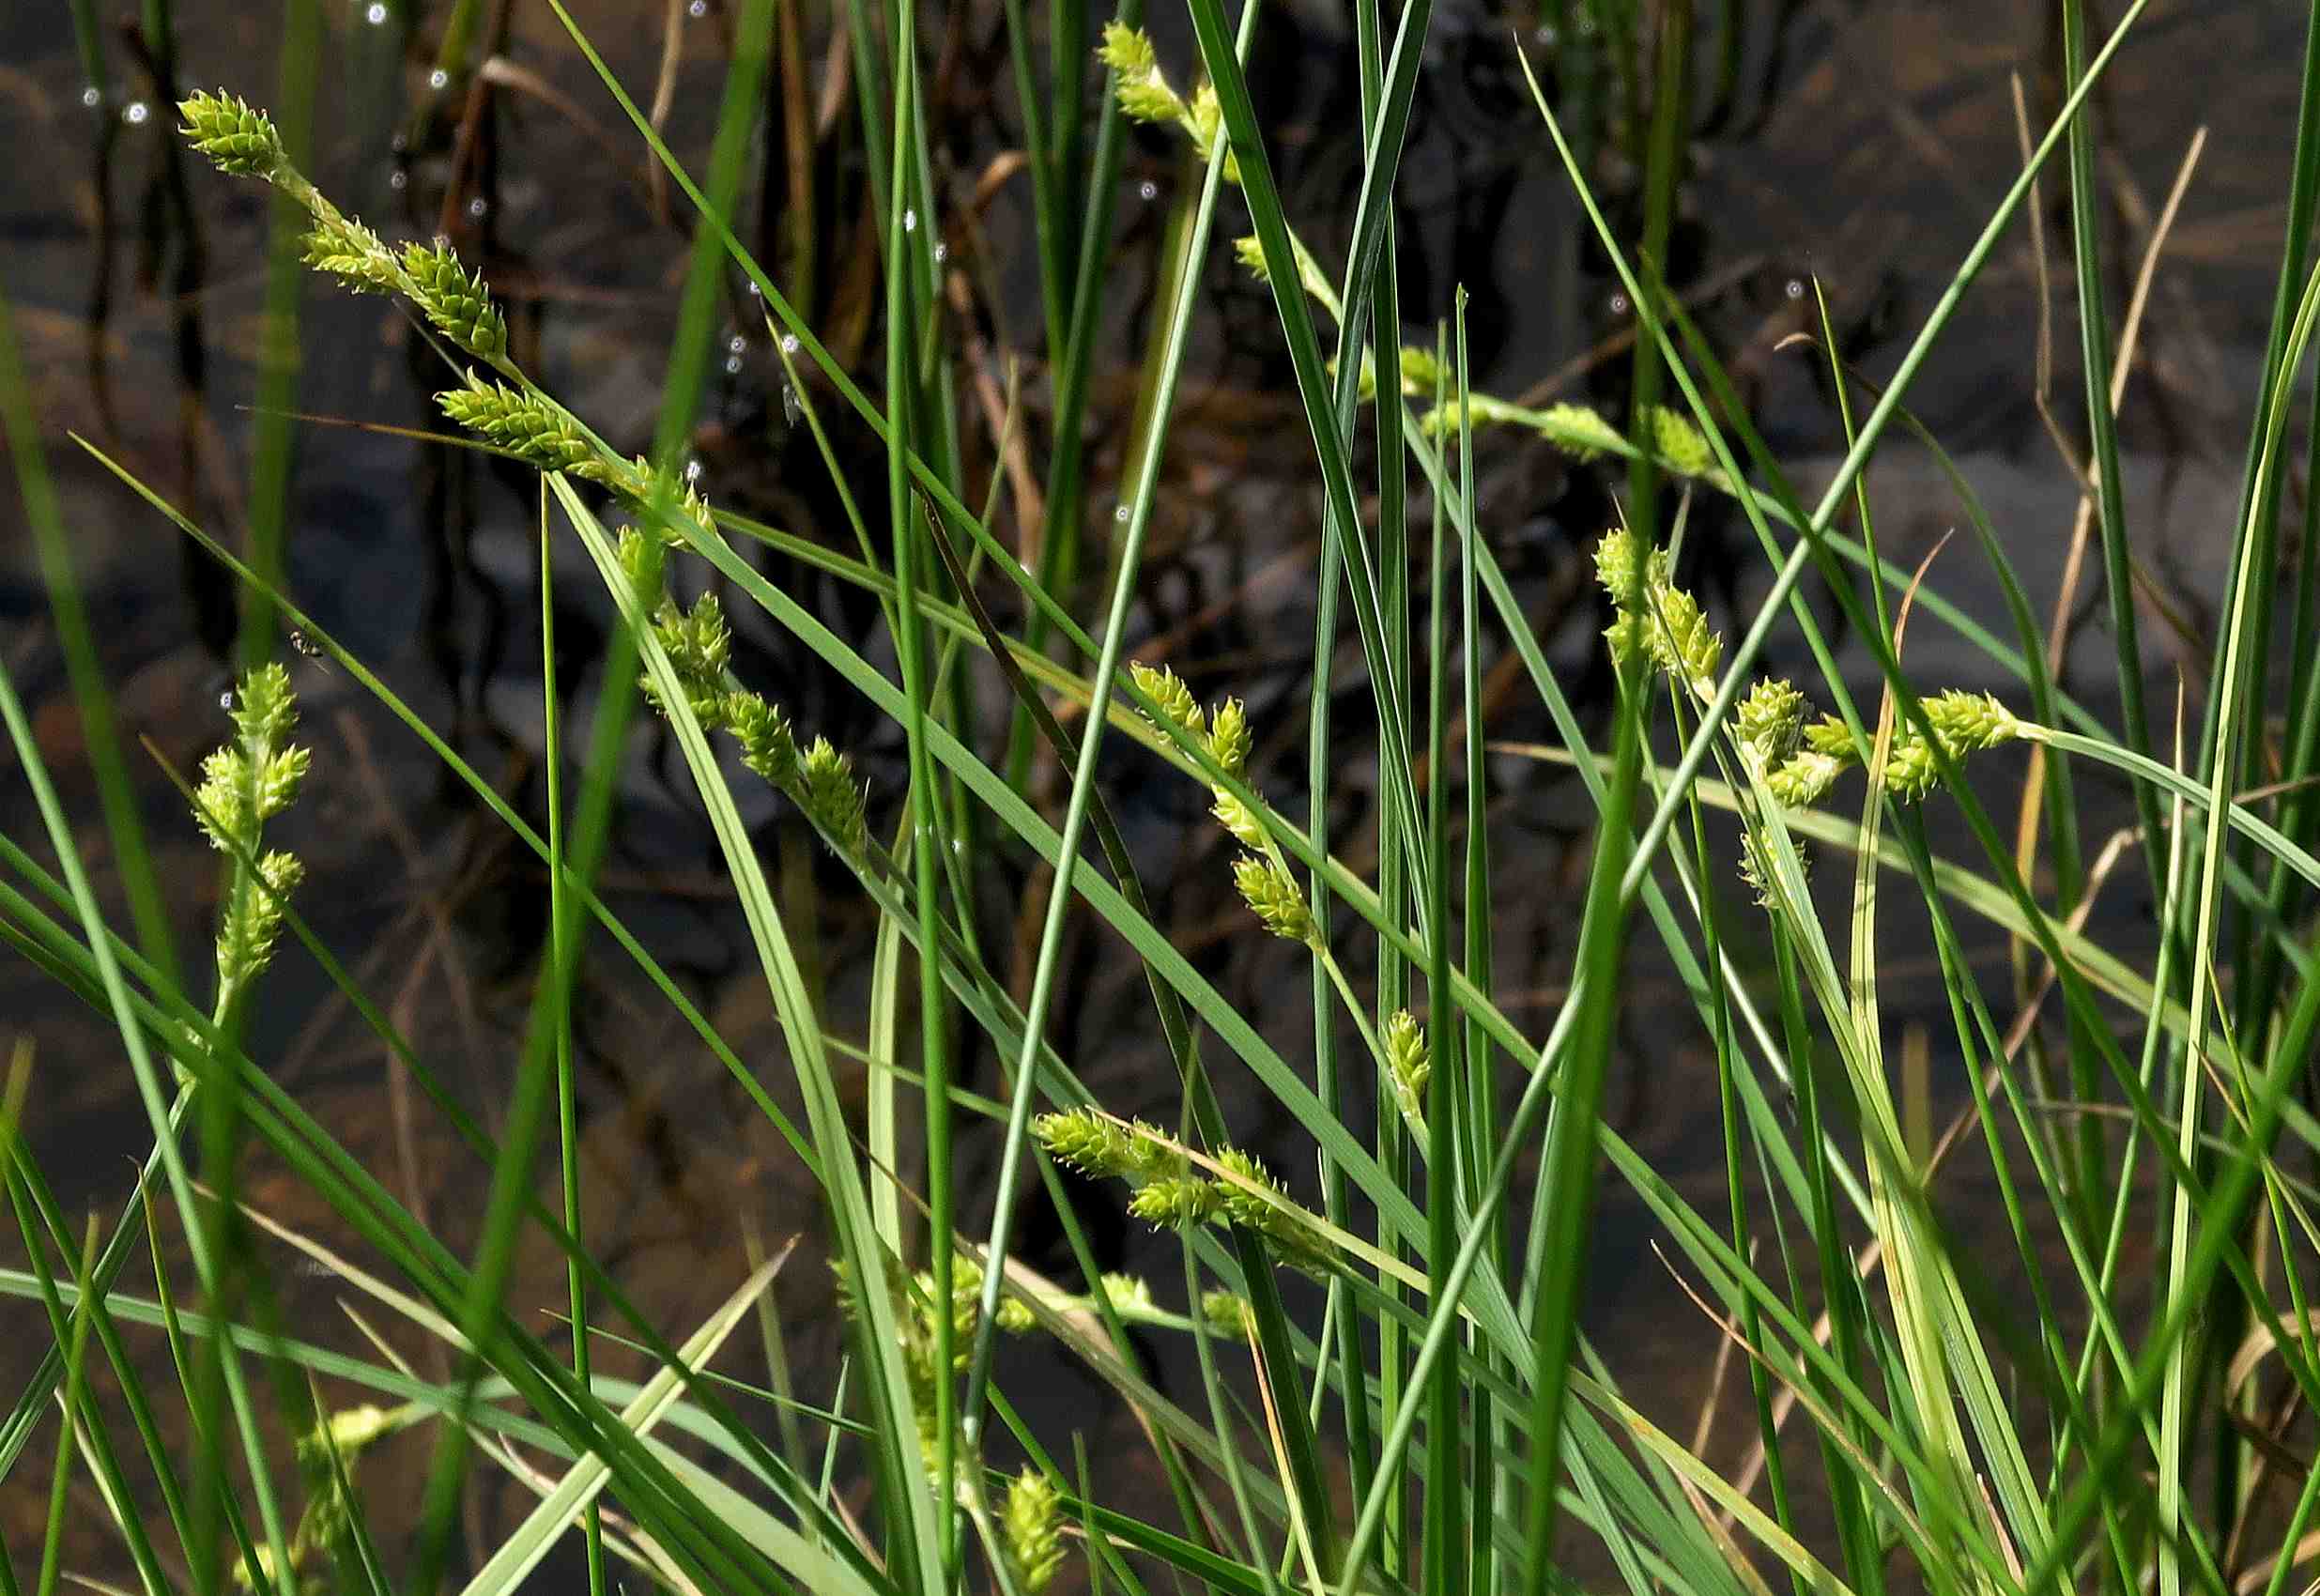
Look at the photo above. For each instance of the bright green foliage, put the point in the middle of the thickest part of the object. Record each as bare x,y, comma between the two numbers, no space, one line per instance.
231,132
454,299
1275,896
1034,1521
534,431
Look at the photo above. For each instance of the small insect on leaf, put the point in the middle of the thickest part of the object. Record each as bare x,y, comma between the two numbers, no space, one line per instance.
308,647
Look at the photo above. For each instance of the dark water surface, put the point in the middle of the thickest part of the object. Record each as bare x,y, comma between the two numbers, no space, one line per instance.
1864,143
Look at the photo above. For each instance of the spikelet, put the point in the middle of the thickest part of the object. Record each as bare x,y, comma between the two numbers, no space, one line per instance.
1770,721
1034,1523
1409,1063
1170,699
832,798
454,299
1275,898
232,133
768,746
531,429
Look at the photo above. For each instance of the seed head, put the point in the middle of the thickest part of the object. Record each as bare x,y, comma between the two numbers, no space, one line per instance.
1910,769
1578,432
1770,721
832,800
1176,1200
1804,777
454,299
342,248
1678,443
1235,817
768,746
1275,896
534,430
1171,698
1408,1062
1828,736
1970,721
1228,736
1034,1538
232,133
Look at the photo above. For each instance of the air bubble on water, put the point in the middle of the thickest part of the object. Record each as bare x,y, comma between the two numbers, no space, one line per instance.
438,79
732,365
92,97
692,471
477,206
910,222
1618,304
225,699
697,9
1120,515
399,180
135,112
375,13
941,254
1147,190
736,343
1796,288
792,406
788,343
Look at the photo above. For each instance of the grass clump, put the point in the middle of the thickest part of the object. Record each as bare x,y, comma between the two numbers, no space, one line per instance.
1990,1409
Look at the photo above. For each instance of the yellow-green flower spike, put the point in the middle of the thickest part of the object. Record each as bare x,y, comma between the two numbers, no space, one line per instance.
1408,1062
1580,433
253,920
1770,721
1225,1312
1228,736
1176,1200
1096,1146
1910,772
1970,721
1236,818
1034,1538
1144,94
1171,698
768,746
1250,251
534,431
1275,896
346,250
1804,777
1127,51
1678,442
454,299
232,133
1828,737
831,797
1241,1205
1682,643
